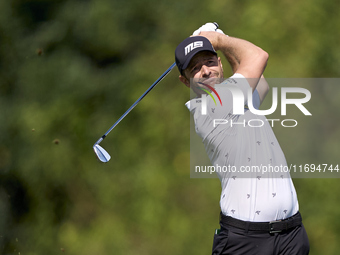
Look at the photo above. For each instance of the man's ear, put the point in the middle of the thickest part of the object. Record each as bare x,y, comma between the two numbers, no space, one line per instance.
184,80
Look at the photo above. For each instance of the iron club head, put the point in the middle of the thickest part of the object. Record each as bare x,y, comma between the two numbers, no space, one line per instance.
101,153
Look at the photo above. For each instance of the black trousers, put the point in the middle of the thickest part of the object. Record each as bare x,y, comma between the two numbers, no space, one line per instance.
231,240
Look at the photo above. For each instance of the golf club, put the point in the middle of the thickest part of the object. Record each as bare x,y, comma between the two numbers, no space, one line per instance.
101,153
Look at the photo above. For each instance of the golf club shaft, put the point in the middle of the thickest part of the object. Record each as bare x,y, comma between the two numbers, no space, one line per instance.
135,103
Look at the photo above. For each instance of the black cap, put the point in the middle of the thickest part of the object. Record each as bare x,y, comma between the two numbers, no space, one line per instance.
189,48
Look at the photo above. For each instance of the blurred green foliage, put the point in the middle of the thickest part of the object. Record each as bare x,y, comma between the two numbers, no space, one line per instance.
70,68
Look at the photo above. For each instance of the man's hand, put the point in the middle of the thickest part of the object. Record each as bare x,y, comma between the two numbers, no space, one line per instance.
208,27
215,38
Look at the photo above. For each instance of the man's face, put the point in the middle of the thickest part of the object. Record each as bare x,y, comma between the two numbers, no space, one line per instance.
204,65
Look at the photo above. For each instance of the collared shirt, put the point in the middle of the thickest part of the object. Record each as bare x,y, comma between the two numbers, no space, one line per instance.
245,142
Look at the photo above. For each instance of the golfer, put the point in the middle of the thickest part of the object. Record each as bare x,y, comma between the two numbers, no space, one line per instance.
259,211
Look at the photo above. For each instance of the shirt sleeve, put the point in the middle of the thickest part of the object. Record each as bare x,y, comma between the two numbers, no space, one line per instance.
244,85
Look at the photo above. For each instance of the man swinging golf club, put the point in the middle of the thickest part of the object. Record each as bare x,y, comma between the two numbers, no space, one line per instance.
259,213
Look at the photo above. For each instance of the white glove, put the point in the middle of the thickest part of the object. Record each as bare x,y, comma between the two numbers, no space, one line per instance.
208,27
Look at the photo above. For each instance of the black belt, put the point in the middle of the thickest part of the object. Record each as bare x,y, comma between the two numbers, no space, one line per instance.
271,227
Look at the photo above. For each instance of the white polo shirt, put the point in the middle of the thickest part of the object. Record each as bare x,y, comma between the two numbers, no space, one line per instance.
245,142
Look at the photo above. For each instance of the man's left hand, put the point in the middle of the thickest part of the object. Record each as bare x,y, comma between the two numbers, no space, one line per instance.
208,27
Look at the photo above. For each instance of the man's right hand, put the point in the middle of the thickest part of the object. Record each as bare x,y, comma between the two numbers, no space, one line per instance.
215,38
208,27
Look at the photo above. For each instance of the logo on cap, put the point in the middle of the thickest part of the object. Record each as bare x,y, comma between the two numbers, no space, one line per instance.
193,46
